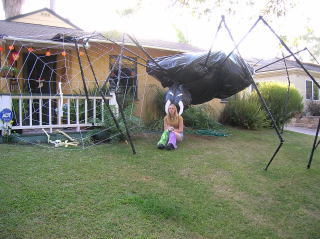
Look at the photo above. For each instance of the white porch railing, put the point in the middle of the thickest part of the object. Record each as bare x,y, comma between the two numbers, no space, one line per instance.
38,111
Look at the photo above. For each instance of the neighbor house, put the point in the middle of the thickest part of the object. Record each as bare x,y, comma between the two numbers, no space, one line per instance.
275,70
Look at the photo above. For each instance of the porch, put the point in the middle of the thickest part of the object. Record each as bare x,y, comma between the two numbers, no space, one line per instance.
32,112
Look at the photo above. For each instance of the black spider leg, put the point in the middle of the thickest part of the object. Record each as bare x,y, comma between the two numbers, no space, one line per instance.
128,50
214,39
312,56
259,94
315,145
117,98
281,59
311,77
241,40
106,101
81,70
146,53
285,107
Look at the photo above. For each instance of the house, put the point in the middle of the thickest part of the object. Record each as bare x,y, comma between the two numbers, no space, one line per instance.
274,70
41,77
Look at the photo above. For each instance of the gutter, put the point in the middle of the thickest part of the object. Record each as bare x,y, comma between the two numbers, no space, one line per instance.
10,38
132,44
282,71
6,38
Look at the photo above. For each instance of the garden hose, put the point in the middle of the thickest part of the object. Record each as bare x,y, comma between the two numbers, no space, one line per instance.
209,132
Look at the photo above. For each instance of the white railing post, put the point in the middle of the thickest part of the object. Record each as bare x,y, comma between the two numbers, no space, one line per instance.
50,115
60,111
102,110
40,111
94,111
86,111
20,111
30,111
77,114
68,102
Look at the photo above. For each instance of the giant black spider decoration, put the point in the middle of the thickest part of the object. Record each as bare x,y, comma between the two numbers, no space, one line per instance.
198,78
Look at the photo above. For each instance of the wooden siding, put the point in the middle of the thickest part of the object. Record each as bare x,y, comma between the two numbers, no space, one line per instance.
44,18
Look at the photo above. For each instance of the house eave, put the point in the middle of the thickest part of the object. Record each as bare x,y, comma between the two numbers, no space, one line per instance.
132,44
282,72
16,40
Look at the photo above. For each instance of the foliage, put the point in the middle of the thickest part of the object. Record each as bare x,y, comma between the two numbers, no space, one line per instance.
313,107
134,124
113,34
94,91
275,95
244,111
6,70
196,117
154,108
182,38
269,7
200,117
6,133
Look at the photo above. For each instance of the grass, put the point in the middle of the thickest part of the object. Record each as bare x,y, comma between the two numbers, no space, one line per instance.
211,187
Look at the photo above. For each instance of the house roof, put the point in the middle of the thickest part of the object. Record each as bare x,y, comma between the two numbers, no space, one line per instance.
11,29
34,31
276,64
15,18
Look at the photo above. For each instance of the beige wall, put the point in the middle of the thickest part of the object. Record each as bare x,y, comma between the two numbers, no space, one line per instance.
44,18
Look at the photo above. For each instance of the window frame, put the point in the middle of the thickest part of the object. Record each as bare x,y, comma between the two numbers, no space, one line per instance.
314,94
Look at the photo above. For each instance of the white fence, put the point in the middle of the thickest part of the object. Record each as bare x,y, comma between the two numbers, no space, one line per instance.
38,111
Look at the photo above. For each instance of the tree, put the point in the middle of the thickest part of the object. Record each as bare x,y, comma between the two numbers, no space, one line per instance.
12,7
267,7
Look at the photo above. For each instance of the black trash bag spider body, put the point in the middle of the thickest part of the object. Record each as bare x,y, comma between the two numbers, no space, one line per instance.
195,78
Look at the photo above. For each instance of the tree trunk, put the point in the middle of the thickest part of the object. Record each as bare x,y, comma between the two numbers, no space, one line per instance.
12,7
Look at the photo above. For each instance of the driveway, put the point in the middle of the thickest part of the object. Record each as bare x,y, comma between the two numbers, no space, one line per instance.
301,130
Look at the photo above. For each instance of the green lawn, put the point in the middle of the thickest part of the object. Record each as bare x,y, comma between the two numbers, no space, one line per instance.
211,187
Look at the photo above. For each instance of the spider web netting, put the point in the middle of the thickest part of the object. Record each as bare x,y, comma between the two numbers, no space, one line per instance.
53,107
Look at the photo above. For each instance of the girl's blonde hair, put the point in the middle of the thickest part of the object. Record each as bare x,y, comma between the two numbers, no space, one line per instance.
175,114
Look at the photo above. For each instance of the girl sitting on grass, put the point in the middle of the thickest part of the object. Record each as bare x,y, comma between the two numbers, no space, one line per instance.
173,129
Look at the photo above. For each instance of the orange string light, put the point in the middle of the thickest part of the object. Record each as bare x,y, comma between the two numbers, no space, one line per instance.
48,53
30,49
11,47
63,53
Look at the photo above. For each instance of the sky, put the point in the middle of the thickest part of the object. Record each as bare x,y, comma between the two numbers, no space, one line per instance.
157,20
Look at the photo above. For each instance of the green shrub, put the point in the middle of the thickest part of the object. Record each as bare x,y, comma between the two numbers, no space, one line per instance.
134,125
200,117
244,111
275,95
313,108
196,117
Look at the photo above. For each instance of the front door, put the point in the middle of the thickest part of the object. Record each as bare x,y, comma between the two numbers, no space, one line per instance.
40,78
40,74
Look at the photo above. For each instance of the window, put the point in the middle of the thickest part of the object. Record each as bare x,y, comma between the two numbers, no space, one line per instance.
312,91
128,77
